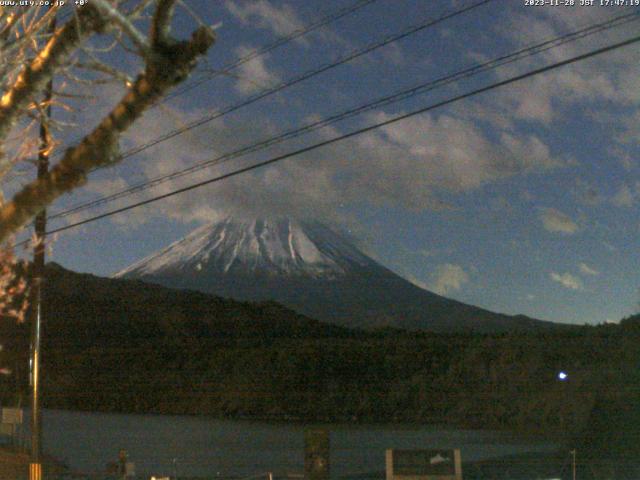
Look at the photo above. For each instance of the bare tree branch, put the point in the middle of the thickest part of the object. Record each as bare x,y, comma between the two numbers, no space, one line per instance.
35,76
170,63
11,21
161,24
110,13
101,67
138,9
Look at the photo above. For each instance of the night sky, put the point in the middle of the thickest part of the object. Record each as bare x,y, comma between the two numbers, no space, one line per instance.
525,199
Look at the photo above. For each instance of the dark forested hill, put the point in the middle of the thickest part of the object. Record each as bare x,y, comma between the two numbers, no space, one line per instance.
96,310
122,345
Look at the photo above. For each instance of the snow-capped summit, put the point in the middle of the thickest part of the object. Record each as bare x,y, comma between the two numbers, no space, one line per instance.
311,268
281,247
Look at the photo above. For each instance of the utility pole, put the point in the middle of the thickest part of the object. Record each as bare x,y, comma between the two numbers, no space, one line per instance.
35,464
573,463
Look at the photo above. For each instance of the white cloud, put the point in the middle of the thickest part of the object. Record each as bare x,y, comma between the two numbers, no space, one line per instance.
254,75
281,20
567,280
448,278
408,165
587,270
164,158
611,78
445,152
557,222
626,196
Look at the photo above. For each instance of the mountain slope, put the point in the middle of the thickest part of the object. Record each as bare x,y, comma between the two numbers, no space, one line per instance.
280,248
95,310
314,270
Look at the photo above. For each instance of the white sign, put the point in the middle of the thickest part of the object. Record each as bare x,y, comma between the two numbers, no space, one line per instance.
424,465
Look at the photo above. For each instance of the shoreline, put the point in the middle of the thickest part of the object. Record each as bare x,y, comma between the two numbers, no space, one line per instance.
285,420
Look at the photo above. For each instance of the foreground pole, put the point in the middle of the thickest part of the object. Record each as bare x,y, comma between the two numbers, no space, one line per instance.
35,466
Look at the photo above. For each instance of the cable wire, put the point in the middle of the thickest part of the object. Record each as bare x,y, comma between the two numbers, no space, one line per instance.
272,46
383,101
302,77
226,69
354,133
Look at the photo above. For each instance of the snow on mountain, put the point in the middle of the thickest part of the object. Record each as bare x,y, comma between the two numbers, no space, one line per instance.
312,269
259,247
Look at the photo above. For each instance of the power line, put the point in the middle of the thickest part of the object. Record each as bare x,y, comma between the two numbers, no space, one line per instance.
302,77
386,100
354,133
226,69
332,17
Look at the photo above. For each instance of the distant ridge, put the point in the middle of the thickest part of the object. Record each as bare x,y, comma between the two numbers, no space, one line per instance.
314,270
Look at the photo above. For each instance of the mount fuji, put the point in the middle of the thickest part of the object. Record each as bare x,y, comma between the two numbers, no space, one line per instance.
314,270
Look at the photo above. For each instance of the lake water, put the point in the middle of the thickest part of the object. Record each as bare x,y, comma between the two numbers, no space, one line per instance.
207,447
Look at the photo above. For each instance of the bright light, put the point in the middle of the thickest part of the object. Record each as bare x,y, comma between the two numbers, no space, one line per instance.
562,376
